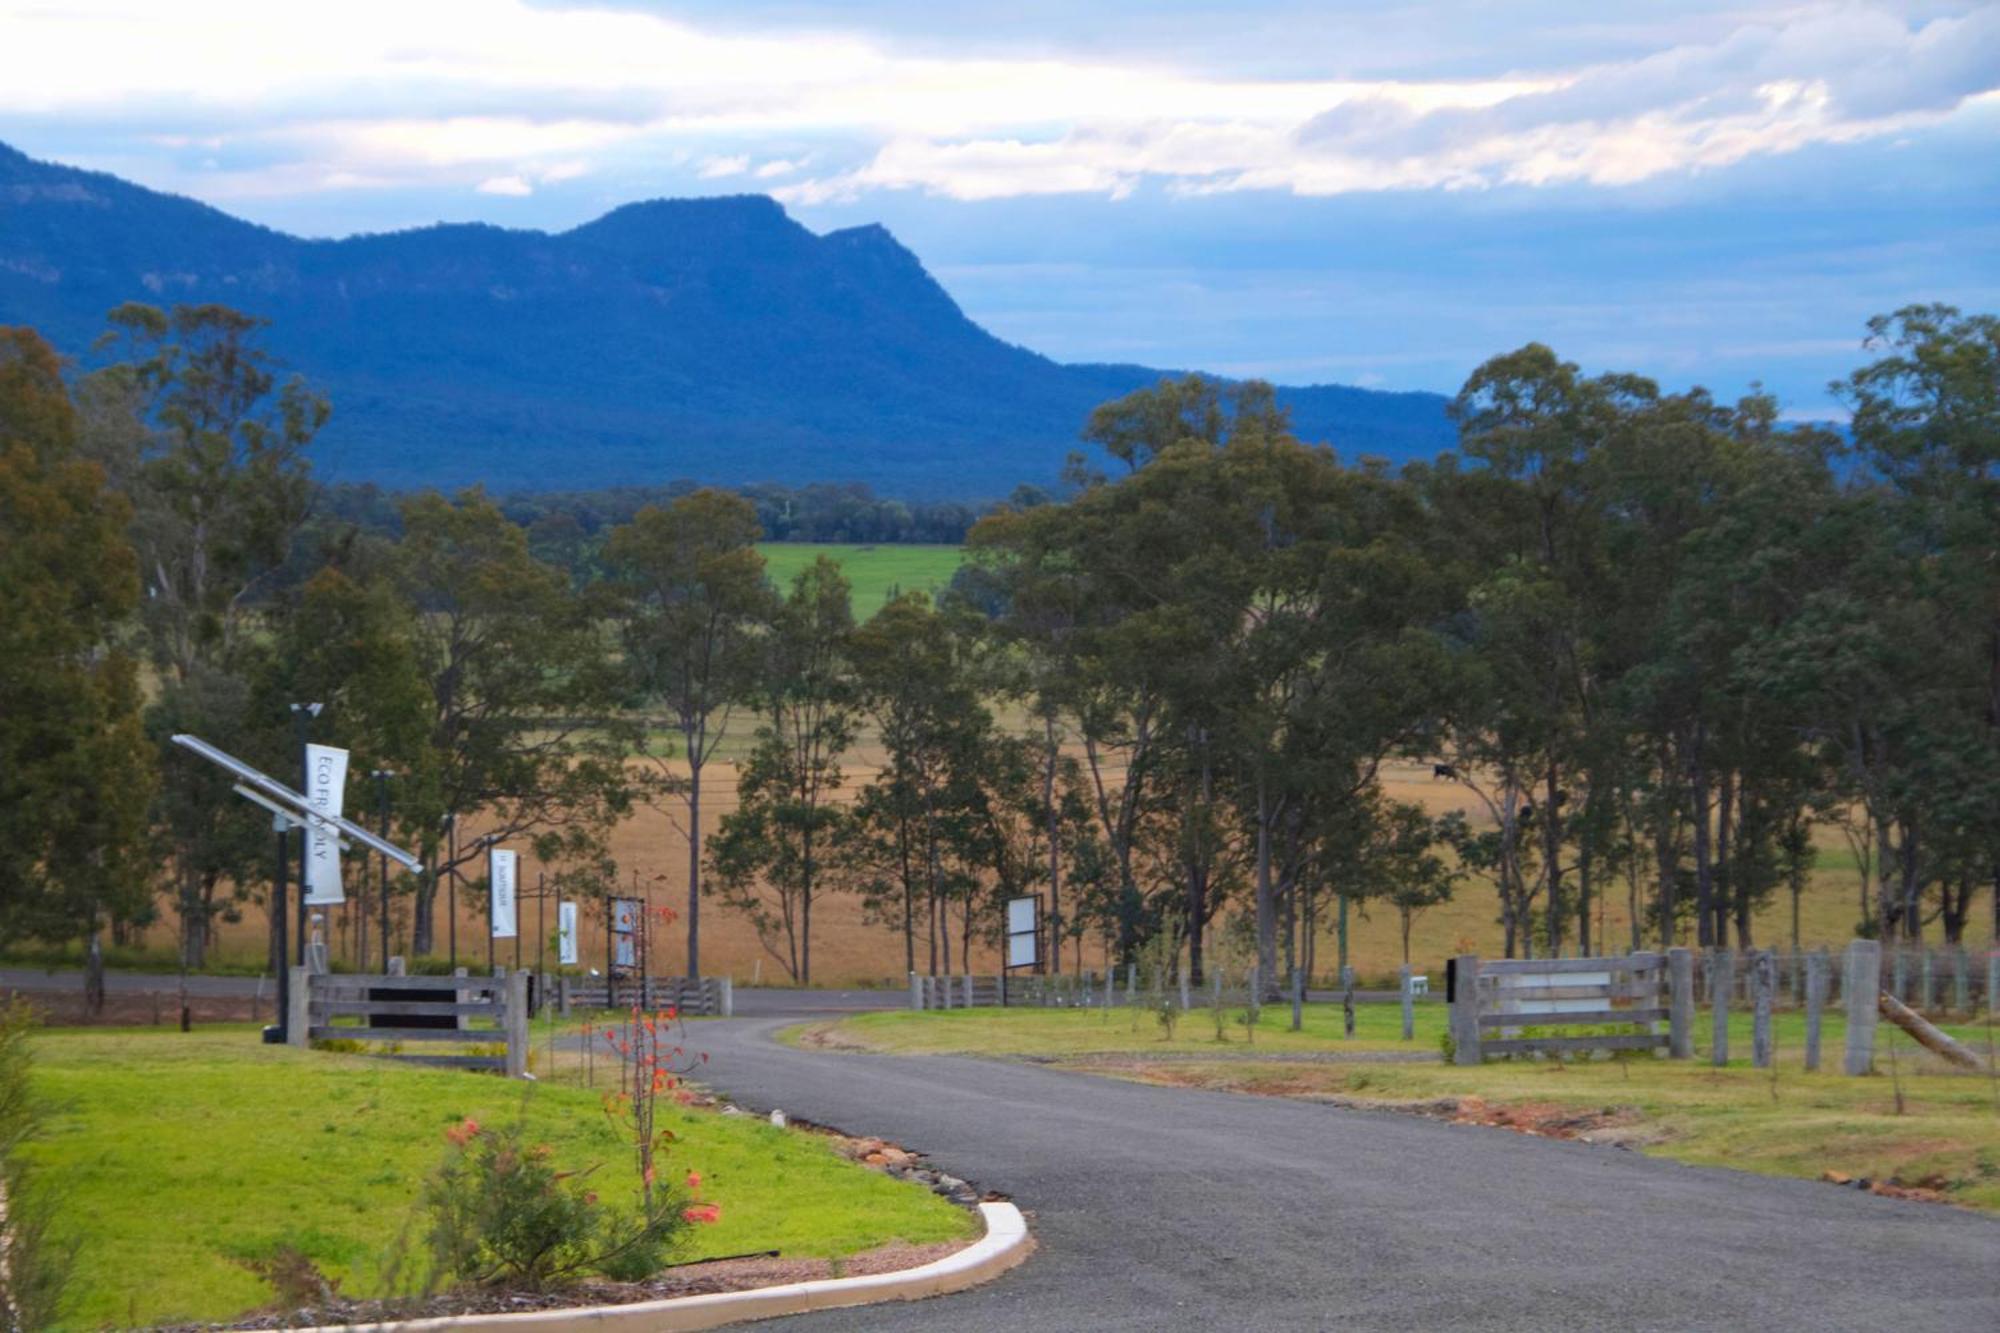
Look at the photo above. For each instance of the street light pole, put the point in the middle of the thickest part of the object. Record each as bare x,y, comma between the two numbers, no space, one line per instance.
451,889
302,714
280,893
382,776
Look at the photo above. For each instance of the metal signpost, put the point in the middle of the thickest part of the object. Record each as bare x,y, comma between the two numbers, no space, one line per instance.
1024,938
627,916
289,810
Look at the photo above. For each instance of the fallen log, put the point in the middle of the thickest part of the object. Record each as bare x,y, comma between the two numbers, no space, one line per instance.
1925,1034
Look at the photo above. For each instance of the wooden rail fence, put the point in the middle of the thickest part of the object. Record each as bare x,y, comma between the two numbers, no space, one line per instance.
428,1011
712,997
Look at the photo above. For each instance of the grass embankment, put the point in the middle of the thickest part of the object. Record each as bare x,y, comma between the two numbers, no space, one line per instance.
1058,1033
179,1158
1945,1136
877,573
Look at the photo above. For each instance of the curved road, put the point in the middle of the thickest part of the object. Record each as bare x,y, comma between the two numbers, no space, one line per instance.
1162,1208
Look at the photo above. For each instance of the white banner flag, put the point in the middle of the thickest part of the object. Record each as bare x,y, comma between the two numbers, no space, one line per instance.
566,935
326,788
501,865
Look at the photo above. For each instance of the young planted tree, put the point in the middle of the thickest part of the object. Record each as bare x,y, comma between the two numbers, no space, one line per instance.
693,601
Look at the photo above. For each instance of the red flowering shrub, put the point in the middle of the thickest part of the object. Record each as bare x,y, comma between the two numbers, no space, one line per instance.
502,1214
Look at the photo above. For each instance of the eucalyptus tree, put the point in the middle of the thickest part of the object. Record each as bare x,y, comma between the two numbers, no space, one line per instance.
693,606
1926,419
193,424
913,669
788,824
517,695
1536,423
75,768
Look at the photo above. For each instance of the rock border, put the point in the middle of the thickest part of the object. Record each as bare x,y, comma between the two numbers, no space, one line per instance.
1005,1244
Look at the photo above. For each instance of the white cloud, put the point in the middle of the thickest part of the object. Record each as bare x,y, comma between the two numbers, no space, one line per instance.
717,167
507,185
491,92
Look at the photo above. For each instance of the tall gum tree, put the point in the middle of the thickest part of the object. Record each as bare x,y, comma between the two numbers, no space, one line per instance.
692,601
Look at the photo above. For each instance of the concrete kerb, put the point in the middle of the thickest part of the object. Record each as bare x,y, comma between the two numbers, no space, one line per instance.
1005,1244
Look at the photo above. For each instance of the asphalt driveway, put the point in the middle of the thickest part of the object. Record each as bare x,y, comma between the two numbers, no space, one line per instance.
1165,1208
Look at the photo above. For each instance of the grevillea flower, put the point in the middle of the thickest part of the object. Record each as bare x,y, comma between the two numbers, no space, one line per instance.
463,1132
701,1213
694,1180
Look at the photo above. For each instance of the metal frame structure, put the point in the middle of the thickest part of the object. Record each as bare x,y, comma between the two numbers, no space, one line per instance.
289,809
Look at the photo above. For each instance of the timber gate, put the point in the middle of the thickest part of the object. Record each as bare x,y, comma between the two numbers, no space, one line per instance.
1523,1006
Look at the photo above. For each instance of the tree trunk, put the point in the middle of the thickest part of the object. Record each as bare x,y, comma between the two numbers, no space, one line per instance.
1704,868
1267,915
1055,847
1552,855
1725,878
1583,858
694,857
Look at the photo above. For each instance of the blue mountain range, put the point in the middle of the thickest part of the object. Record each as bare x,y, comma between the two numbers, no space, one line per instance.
714,339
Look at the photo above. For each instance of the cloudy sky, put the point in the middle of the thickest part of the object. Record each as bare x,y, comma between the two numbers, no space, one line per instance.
1362,191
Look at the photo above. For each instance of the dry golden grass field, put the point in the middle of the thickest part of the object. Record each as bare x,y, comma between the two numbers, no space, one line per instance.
848,950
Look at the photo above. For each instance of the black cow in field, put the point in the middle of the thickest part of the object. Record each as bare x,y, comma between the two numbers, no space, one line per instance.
1443,771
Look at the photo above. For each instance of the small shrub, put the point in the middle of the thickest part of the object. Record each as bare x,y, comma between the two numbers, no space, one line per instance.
502,1214
35,1276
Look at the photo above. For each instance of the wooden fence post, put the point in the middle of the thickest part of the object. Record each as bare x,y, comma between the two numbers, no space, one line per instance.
1184,985
298,1019
1409,999
397,967
916,992
1862,983
1680,1003
1928,985
1816,979
562,996
1961,990
1763,986
1131,983
728,999
1347,1001
1721,977
516,1020
1465,1009
1298,998
1899,972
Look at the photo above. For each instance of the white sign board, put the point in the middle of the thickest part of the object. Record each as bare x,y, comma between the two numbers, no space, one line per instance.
1022,937
566,952
326,788
502,873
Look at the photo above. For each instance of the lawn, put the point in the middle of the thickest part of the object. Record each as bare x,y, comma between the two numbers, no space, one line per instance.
1788,1122
877,572
180,1157
1060,1033
1946,1136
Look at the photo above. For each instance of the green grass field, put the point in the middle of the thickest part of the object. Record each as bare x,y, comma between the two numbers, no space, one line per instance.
877,572
1057,1033
180,1157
